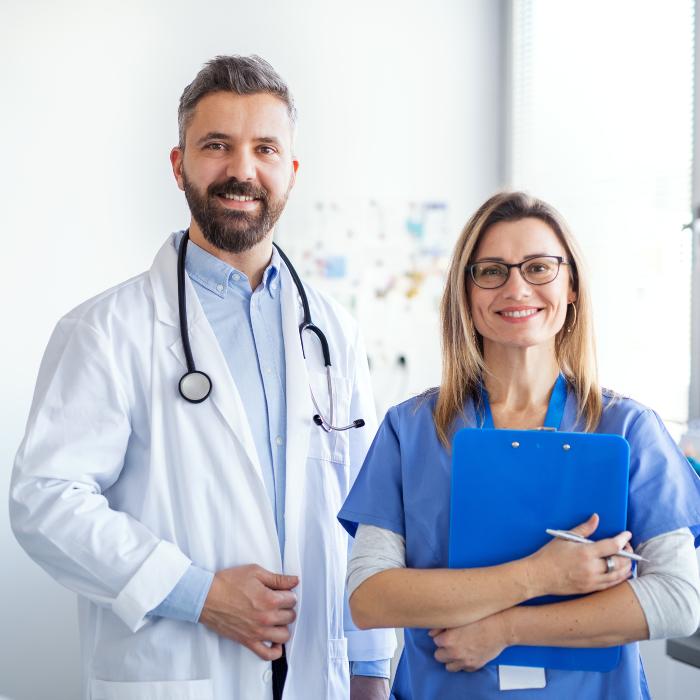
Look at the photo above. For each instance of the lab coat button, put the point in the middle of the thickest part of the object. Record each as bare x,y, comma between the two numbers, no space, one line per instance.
219,287
267,675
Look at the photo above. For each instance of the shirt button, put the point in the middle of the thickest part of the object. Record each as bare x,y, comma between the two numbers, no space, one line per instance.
219,287
273,286
279,440
236,278
267,675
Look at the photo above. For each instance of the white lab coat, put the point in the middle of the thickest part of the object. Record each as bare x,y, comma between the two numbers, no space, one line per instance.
119,484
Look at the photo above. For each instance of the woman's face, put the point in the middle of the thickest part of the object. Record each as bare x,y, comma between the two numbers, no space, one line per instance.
520,314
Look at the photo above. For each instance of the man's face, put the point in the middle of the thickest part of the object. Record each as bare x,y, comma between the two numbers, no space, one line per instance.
237,167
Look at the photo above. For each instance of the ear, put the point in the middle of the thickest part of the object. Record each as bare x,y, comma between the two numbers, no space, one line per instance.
293,179
176,163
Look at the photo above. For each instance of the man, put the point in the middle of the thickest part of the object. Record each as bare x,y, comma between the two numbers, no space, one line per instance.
201,536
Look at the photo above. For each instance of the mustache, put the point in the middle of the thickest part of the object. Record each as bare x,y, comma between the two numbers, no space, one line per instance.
236,187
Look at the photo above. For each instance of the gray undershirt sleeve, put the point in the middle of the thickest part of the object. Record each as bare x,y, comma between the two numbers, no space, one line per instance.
667,586
374,549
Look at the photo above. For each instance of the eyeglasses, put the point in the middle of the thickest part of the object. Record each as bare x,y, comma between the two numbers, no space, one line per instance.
540,269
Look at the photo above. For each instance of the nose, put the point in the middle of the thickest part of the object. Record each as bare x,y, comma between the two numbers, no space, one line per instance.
516,287
240,165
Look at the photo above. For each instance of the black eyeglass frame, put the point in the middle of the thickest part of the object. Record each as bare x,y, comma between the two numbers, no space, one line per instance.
509,266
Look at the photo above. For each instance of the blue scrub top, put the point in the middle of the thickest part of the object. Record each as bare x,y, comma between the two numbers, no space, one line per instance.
404,486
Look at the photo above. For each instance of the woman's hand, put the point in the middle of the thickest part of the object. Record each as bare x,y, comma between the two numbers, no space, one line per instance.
567,568
471,647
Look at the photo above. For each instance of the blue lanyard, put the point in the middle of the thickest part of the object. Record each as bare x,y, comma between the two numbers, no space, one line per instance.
555,410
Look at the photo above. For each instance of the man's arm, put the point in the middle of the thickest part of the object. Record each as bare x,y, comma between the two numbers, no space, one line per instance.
241,603
73,451
186,600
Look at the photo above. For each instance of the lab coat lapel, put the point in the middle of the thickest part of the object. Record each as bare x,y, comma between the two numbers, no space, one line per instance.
205,348
224,394
299,413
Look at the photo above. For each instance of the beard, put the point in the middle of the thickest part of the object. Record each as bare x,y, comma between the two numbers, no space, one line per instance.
227,229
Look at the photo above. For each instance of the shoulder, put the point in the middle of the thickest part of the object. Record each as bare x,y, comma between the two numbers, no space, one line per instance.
115,313
625,416
335,316
413,413
341,330
99,311
618,405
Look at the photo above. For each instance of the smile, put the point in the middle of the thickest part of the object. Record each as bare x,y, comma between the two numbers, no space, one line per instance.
518,315
238,198
524,313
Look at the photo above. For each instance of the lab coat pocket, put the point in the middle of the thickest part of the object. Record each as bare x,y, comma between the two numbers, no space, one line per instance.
335,445
151,690
338,669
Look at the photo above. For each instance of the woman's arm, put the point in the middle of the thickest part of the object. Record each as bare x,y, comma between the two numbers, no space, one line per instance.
607,618
401,597
668,585
602,619
663,601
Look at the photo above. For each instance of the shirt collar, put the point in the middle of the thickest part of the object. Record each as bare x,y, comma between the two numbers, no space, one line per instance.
216,275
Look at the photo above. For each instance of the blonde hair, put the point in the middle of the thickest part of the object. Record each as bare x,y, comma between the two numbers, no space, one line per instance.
462,347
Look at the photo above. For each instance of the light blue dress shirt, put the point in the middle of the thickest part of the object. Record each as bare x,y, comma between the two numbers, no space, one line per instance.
248,325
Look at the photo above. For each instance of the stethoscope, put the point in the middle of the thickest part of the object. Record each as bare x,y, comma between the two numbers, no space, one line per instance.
195,386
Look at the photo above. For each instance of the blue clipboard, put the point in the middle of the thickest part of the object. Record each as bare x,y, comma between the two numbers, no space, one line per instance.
508,486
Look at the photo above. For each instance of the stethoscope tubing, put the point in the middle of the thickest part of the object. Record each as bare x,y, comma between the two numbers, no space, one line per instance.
202,381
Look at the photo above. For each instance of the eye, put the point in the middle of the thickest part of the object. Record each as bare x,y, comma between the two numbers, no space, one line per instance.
267,150
214,146
490,271
540,266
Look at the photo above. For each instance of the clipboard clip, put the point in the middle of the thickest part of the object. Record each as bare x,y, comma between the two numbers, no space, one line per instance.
547,428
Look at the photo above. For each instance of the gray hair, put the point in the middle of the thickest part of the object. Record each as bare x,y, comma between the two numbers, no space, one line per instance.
242,75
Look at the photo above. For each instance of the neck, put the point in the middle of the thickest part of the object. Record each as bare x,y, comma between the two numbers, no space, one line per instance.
519,380
251,262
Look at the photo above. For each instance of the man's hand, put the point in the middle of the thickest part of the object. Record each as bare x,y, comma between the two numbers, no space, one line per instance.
471,647
369,688
251,606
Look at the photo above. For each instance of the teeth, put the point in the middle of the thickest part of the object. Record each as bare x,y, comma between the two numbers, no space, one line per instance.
519,314
239,198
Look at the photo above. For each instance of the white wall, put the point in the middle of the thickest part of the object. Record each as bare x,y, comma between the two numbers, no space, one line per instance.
668,679
396,100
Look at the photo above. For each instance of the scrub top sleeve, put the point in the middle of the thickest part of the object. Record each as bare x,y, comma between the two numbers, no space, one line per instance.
376,497
664,491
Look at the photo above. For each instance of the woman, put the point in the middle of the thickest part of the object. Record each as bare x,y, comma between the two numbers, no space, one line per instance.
516,326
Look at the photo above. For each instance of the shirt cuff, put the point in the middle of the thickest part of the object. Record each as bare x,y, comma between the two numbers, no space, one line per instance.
376,669
186,600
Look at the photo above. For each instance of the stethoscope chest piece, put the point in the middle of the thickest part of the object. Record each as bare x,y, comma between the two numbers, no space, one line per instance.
195,386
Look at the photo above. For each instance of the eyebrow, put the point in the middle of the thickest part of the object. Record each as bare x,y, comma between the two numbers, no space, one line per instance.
221,136
214,135
527,257
268,139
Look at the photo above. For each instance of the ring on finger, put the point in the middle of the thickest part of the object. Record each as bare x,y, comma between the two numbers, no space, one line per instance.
609,565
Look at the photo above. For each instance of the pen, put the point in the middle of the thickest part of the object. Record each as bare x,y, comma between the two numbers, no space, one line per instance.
573,537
